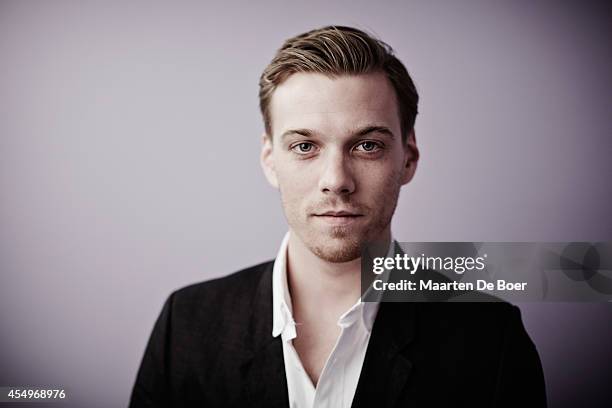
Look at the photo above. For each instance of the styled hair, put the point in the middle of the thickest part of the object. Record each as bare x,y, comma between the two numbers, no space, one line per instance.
334,51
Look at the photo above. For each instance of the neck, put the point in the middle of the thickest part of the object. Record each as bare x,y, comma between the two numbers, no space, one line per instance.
318,285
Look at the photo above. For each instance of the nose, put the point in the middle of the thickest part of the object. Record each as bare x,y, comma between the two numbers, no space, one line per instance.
337,177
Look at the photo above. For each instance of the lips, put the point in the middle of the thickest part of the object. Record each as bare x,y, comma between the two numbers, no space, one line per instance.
341,217
338,214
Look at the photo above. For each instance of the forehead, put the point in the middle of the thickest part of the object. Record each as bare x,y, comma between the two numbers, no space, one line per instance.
330,104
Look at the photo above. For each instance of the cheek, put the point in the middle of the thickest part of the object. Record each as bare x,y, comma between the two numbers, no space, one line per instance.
296,176
294,185
378,176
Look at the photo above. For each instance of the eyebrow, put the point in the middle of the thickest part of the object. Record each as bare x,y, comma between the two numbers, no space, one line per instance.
375,129
359,132
301,132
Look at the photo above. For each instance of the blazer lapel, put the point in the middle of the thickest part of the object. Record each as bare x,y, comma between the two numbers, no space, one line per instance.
264,370
386,370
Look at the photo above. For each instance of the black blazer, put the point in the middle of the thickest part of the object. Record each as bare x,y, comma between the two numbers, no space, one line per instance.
212,346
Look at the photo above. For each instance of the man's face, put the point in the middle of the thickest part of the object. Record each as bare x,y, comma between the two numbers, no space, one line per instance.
337,156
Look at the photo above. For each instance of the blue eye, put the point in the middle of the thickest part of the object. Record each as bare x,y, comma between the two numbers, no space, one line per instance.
369,146
304,147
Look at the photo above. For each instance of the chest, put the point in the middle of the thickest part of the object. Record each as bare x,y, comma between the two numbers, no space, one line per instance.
314,344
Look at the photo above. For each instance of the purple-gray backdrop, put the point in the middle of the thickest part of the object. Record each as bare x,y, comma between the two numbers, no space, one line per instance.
129,139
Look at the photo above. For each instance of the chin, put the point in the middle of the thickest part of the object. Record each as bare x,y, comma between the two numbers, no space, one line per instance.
337,249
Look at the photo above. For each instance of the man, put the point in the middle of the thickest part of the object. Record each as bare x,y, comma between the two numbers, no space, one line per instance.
339,142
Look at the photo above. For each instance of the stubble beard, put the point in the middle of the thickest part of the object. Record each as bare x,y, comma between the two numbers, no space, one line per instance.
343,244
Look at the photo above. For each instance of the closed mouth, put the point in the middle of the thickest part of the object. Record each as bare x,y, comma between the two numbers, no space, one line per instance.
338,214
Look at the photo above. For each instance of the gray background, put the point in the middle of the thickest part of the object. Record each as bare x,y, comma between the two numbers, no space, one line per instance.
129,140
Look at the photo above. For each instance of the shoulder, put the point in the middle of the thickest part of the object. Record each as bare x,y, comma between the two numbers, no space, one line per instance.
482,314
205,315
480,329
472,322
228,291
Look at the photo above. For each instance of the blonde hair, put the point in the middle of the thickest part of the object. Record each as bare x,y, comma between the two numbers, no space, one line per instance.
333,51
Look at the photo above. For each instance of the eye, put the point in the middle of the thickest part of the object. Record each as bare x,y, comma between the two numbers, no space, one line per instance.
369,146
303,148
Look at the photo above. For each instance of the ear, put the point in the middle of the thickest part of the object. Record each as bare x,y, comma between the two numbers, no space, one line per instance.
267,160
411,157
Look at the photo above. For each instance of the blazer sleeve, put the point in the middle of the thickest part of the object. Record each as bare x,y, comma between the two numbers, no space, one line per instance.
151,388
520,380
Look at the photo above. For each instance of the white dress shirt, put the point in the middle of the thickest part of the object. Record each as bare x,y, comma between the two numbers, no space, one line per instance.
338,380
